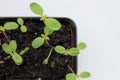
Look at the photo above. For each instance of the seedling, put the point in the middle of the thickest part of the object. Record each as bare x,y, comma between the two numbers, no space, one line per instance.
23,28
51,25
72,51
11,49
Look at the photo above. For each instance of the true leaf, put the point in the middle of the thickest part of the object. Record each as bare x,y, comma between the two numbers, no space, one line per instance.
13,45
37,42
36,8
74,51
71,76
81,45
84,75
6,48
20,21
52,23
24,51
10,25
48,31
60,49
23,28
45,36
17,59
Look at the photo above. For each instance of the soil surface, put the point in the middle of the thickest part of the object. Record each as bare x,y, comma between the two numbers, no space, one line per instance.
32,66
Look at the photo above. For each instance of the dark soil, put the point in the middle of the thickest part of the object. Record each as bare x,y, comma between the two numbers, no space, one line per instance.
32,66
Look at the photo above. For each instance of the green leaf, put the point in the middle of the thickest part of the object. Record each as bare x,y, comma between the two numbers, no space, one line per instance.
74,51
71,76
20,21
23,28
10,25
52,23
17,59
84,75
60,49
36,8
6,48
81,45
24,51
37,42
48,31
13,45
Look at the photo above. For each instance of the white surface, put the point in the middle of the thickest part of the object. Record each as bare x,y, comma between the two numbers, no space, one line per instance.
98,24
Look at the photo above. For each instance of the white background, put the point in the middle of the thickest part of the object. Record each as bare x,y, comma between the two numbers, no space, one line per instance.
98,25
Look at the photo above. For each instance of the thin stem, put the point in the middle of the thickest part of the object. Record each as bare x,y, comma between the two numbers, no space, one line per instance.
6,36
48,44
71,69
45,61
8,57
49,53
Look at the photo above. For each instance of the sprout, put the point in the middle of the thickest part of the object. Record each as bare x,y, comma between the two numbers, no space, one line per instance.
61,50
51,25
11,49
72,51
23,28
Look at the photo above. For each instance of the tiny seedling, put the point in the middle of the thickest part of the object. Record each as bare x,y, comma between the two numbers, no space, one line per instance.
72,51
23,28
11,49
51,25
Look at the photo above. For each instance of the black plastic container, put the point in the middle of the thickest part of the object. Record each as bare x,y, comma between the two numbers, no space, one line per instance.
32,67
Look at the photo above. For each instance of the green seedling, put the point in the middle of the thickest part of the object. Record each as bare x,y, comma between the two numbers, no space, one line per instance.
51,25
72,51
73,76
11,49
23,28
